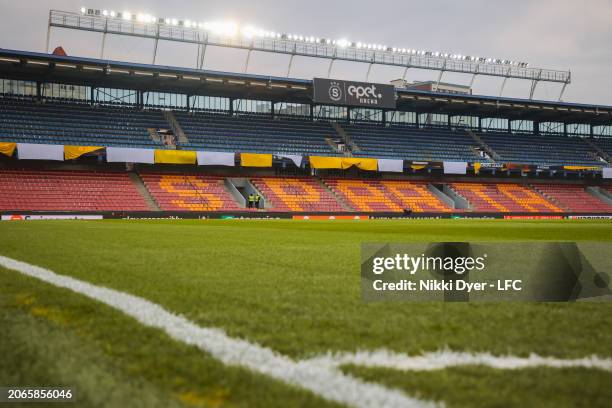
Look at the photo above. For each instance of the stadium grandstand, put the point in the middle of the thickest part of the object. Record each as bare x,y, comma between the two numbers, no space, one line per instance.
206,213
114,138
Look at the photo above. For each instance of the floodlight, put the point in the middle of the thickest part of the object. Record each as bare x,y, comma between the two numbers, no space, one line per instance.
83,10
113,14
105,13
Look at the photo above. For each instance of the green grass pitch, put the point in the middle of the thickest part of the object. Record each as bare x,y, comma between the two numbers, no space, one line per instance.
292,286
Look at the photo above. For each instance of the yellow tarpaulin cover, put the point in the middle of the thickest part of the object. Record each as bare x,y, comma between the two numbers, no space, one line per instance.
72,152
477,168
360,162
418,166
175,156
7,148
255,160
578,168
322,162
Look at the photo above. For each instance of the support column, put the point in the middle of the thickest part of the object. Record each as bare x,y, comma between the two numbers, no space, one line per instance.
290,64
329,70
246,64
48,33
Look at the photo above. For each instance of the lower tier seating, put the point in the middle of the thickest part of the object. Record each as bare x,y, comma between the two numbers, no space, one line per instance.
32,190
387,195
296,194
506,197
573,198
190,192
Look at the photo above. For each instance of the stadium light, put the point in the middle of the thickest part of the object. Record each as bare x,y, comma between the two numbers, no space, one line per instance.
230,29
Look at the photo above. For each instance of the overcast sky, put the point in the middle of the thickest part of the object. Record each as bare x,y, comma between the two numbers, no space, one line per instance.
555,34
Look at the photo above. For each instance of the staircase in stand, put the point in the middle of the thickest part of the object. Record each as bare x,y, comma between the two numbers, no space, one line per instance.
177,130
142,189
485,147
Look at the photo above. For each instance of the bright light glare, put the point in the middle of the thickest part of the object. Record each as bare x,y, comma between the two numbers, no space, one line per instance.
224,28
231,29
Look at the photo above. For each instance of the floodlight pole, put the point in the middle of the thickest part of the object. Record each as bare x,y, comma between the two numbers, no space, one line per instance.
440,77
474,76
501,91
201,51
329,70
370,68
291,60
156,44
565,85
534,84
48,33
368,73
246,64
290,64
331,63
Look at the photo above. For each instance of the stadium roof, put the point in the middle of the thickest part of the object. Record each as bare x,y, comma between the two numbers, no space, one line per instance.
123,75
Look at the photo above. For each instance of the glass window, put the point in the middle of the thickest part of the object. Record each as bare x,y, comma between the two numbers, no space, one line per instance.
401,117
252,106
291,109
110,96
209,103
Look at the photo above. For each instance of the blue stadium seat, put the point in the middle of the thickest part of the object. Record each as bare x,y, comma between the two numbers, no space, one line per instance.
412,143
257,134
77,124
541,149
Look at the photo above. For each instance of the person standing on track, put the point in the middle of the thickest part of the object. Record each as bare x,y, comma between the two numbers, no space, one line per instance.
251,200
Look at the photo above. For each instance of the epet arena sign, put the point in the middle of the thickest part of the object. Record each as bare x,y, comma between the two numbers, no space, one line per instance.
337,92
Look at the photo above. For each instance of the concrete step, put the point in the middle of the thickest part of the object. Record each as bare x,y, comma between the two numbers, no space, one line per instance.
142,189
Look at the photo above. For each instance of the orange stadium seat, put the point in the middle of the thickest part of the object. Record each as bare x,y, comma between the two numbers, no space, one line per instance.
68,190
297,194
503,197
387,195
572,197
190,192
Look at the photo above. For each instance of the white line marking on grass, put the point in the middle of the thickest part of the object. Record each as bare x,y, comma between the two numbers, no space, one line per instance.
325,381
320,375
442,359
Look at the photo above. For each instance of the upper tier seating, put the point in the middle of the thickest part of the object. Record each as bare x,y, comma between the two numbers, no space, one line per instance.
32,190
410,143
387,195
77,124
190,192
540,149
573,198
503,197
605,143
256,134
296,194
